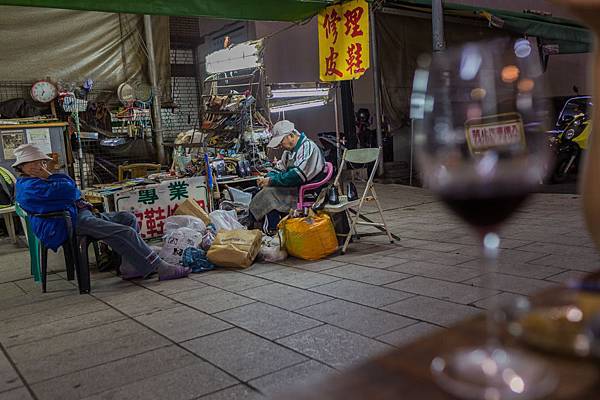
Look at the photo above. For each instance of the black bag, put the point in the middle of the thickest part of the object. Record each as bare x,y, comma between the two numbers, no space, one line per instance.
7,188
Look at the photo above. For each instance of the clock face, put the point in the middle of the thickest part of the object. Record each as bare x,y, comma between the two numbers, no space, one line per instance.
43,91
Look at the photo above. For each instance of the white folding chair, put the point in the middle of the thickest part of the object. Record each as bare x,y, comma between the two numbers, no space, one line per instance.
353,208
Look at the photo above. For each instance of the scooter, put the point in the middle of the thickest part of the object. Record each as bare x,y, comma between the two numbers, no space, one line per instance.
569,146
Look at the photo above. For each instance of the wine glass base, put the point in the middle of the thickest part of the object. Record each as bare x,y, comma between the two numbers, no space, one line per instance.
493,373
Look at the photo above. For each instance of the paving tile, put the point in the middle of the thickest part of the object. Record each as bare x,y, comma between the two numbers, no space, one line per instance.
79,357
10,289
432,256
375,261
308,265
115,374
173,286
430,245
299,278
34,304
554,248
9,379
238,392
366,274
362,293
567,276
353,317
267,321
333,346
443,290
437,271
139,301
499,300
406,335
44,331
431,310
509,283
55,283
291,378
14,325
84,337
580,263
284,296
16,394
232,281
242,354
185,383
182,323
262,268
211,299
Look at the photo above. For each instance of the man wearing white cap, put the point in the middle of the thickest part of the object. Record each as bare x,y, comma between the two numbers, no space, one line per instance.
40,191
301,162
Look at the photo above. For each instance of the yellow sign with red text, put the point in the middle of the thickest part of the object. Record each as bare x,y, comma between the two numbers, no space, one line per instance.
344,41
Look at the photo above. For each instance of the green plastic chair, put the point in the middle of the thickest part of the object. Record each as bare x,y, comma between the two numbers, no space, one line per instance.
34,246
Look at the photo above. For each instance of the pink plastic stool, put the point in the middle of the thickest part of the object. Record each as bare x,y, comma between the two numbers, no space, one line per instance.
312,186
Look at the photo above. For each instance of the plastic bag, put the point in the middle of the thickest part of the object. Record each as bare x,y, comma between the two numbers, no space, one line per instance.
196,260
271,249
184,221
309,238
225,220
209,237
176,241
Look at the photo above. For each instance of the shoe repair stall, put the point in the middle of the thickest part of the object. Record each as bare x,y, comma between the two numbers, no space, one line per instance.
116,115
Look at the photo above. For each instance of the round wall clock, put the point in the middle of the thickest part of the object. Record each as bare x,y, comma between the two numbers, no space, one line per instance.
43,91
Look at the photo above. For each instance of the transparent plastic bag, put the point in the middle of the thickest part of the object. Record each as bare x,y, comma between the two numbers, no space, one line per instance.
184,221
176,241
225,220
271,249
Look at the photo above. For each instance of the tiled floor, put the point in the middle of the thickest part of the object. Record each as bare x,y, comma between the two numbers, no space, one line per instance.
246,334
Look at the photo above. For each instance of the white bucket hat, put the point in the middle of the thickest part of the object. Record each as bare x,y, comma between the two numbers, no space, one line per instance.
27,153
280,130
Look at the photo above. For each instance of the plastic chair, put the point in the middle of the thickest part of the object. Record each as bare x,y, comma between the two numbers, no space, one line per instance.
33,243
302,203
75,250
360,157
141,170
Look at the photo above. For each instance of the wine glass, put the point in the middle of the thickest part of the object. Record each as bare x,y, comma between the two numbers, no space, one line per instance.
480,117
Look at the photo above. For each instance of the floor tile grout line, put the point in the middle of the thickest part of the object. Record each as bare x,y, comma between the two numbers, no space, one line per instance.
274,341
69,332
18,371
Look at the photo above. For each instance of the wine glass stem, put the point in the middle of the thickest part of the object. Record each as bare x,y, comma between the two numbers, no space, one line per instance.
490,246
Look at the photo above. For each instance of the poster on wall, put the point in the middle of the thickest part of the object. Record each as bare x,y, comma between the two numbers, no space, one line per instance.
344,41
152,204
10,141
41,138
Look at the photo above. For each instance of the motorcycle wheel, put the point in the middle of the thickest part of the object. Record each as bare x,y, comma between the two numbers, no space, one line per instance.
561,172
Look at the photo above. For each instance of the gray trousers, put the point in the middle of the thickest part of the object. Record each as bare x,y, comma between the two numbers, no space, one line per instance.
119,230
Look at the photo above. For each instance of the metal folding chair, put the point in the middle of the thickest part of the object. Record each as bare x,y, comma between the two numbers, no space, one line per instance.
353,209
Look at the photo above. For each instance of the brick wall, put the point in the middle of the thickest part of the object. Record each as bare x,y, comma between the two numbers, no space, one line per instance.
185,97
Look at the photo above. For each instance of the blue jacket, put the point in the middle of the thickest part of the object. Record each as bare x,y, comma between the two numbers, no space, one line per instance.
37,196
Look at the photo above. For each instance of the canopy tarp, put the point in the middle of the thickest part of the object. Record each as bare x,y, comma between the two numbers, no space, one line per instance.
263,10
570,36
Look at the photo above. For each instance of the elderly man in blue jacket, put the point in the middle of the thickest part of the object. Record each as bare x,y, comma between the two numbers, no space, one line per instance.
40,191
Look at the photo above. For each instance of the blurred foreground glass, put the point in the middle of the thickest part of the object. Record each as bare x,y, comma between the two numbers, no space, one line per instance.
481,116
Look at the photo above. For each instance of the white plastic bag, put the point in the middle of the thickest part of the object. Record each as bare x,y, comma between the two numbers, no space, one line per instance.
226,220
271,249
184,221
176,241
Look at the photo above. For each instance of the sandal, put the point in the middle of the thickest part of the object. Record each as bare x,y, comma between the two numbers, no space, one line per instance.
179,272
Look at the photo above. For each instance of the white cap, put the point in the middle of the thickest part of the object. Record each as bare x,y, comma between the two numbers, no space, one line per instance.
280,130
27,153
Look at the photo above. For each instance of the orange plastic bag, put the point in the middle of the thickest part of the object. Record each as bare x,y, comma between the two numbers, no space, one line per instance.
310,238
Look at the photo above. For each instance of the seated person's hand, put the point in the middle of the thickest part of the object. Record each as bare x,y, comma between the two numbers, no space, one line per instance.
262,182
